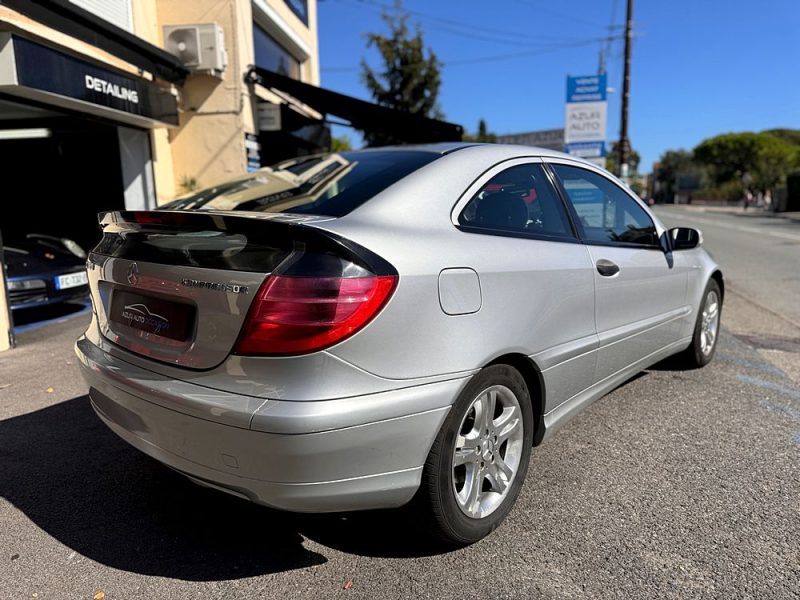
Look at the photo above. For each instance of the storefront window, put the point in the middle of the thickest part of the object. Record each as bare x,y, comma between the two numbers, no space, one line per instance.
271,55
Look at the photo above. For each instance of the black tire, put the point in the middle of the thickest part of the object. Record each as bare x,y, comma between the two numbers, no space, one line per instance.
436,500
694,357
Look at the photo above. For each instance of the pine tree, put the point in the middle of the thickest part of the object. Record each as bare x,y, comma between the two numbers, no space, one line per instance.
411,75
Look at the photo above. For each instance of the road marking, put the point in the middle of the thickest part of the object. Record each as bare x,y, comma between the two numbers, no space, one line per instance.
777,234
758,366
776,387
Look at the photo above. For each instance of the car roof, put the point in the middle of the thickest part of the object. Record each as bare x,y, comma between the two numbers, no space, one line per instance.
450,147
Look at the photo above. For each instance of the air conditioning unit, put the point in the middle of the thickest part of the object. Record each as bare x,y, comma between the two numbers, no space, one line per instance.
200,47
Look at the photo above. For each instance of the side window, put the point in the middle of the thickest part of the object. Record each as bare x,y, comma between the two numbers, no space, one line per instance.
519,199
605,212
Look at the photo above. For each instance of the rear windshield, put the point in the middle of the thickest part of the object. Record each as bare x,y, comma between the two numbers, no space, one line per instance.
330,184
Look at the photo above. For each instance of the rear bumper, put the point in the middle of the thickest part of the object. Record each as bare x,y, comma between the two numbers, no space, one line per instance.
318,456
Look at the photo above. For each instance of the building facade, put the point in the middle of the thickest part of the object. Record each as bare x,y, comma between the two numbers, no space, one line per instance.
125,104
103,107
207,141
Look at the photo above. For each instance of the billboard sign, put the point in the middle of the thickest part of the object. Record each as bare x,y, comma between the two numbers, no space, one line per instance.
590,88
587,149
586,122
586,116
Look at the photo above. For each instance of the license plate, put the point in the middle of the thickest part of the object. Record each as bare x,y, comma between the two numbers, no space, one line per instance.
153,315
71,280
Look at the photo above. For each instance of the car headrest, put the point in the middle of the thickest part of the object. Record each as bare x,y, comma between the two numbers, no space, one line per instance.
503,210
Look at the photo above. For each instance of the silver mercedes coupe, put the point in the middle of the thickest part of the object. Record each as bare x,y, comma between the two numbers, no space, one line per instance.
369,329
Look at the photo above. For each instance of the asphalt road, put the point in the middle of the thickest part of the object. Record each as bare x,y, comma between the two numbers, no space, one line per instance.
676,485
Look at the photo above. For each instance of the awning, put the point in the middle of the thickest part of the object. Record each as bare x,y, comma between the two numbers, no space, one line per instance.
74,21
361,114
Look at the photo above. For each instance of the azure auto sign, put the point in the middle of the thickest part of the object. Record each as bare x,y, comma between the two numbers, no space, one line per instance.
585,122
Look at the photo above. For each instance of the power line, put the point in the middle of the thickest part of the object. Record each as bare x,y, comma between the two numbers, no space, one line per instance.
554,48
561,15
605,51
473,32
464,29
494,57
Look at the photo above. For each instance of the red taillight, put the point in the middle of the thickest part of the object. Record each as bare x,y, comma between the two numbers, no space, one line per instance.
300,314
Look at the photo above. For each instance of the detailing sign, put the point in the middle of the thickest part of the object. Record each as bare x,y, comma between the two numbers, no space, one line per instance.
112,89
42,70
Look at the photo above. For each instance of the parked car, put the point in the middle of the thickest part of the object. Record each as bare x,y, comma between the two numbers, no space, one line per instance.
44,270
373,328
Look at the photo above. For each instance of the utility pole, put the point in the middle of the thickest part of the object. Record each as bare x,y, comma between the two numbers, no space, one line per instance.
624,142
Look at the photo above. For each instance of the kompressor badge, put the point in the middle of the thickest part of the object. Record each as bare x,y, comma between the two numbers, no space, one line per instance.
232,288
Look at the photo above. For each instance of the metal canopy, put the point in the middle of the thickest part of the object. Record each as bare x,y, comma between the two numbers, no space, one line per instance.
76,22
361,114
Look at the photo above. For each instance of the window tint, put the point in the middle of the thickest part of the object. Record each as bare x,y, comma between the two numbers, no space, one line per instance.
519,199
605,212
330,184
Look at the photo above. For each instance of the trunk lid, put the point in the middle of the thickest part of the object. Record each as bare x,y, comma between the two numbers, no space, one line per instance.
176,286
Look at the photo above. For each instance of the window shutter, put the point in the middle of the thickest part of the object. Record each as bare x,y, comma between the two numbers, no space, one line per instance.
117,12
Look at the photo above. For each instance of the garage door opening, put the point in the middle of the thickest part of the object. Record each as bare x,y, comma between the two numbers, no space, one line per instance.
57,176
59,171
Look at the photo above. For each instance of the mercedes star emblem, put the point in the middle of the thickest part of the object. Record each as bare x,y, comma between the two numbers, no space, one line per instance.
133,274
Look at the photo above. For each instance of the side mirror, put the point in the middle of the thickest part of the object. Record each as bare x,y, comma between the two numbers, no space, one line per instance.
685,238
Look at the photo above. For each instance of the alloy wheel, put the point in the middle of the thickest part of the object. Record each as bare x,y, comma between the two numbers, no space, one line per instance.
709,323
487,452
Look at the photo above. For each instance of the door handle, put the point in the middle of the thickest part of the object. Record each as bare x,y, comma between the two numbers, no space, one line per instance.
606,268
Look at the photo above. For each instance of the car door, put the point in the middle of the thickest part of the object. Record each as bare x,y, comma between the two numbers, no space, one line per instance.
534,274
640,290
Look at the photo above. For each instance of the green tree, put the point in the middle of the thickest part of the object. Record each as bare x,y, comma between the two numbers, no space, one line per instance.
612,160
767,159
790,135
341,143
672,166
411,74
483,135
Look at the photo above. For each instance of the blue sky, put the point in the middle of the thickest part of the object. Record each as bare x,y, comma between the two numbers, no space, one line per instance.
699,67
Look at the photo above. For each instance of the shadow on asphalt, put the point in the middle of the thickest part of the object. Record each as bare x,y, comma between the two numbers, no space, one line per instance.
671,363
88,489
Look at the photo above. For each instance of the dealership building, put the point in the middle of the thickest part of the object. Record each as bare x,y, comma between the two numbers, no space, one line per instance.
97,114
125,104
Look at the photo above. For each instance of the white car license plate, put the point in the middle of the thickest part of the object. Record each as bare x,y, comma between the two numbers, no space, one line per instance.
71,280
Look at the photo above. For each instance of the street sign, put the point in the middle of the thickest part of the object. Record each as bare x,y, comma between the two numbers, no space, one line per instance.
585,122
586,117
586,149
590,88
252,150
269,116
